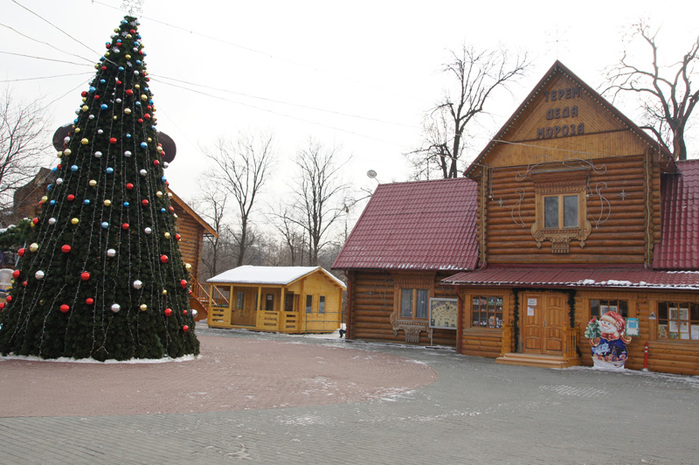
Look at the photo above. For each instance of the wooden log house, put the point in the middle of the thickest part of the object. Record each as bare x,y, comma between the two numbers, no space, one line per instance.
284,299
409,238
577,212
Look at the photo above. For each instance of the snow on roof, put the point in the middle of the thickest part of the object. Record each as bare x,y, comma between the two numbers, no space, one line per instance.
577,277
276,275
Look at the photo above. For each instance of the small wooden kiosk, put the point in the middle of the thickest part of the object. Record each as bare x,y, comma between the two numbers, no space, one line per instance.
291,299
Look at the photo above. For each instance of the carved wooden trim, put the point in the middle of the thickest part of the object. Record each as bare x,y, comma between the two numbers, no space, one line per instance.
411,328
561,183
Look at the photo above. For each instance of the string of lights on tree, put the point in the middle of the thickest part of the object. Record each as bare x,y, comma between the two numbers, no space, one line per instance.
102,276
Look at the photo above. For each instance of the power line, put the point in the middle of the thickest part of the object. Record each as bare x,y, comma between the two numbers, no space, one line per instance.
39,78
54,26
316,123
258,52
55,60
266,99
44,43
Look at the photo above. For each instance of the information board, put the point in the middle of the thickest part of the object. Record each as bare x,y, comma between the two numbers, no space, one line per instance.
443,313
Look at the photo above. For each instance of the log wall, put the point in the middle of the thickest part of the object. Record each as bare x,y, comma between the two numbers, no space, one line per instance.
373,300
618,204
192,237
664,355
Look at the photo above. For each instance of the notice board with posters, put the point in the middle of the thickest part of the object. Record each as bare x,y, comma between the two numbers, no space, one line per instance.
443,313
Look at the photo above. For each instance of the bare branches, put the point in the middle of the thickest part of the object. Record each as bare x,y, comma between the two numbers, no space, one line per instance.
319,193
242,168
24,139
478,75
666,94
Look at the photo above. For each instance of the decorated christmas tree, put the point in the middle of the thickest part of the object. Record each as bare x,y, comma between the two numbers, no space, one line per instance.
102,276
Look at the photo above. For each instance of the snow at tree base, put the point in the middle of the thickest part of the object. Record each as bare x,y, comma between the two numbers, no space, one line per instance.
102,275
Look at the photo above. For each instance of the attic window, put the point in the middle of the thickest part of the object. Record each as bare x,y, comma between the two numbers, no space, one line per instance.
561,209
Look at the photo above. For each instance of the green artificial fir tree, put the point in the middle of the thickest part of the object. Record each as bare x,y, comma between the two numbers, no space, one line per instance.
592,331
102,276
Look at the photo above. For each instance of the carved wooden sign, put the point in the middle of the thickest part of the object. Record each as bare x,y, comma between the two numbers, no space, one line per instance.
562,115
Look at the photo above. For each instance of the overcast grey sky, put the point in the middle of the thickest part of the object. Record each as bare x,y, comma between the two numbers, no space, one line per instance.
359,74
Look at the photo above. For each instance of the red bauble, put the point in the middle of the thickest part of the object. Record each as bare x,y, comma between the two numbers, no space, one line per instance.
125,226
118,83
163,259
83,93
89,301
183,283
129,92
103,68
113,140
178,237
2,306
8,298
168,312
84,275
64,308
70,197
146,116
35,221
129,186
66,248
140,120
21,251
24,284
185,328
184,312
144,202
15,274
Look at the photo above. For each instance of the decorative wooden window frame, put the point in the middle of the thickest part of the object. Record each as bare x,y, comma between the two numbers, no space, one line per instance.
412,327
561,183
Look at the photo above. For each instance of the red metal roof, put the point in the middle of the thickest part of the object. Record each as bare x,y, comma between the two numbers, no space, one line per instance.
577,277
424,225
679,244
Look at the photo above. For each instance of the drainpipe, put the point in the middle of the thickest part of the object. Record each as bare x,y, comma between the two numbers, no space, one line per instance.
350,333
459,320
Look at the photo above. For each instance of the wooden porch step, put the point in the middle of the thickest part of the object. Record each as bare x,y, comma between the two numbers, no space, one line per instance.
534,360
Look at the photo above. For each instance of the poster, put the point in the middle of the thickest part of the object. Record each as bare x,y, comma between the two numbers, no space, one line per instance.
443,313
632,327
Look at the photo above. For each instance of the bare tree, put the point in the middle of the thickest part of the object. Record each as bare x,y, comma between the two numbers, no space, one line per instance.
291,233
24,139
667,98
320,195
242,168
212,204
478,74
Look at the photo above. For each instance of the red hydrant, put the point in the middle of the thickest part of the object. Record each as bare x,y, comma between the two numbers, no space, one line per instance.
645,357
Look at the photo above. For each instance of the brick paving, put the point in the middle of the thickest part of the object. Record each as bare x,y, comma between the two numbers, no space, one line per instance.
462,410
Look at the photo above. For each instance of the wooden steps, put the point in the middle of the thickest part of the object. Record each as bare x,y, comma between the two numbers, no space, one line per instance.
535,360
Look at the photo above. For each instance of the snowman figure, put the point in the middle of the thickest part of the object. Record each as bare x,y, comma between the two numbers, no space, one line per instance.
608,341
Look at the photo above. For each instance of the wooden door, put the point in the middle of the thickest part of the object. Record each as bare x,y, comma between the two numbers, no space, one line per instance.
532,323
544,318
555,320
